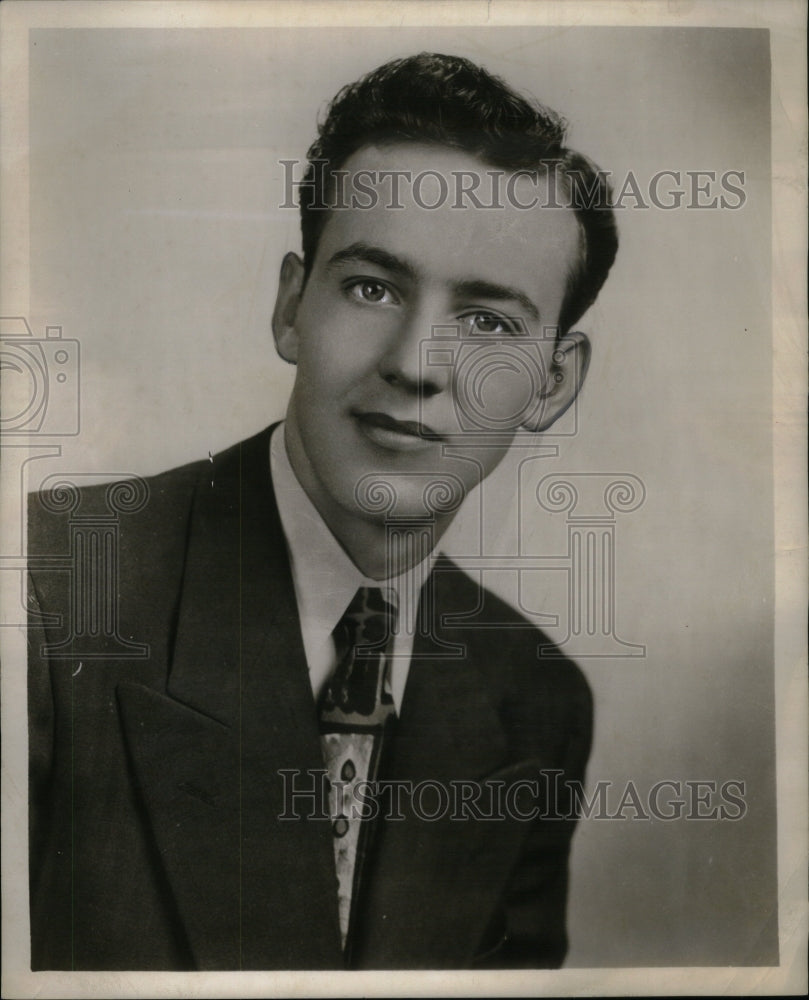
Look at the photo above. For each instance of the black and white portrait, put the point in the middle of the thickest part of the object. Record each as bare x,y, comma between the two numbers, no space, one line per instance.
395,506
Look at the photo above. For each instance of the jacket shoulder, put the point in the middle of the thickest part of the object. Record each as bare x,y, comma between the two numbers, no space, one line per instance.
501,627
142,503
133,500
129,533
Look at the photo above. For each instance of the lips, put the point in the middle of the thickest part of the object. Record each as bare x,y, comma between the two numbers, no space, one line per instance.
392,433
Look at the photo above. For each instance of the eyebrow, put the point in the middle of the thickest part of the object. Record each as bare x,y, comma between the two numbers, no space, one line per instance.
364,253
473,288
498,293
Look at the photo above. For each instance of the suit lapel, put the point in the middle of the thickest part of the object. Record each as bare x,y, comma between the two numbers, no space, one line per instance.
449,731
239,711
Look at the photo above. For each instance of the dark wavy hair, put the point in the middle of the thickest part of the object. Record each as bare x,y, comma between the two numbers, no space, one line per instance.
449,101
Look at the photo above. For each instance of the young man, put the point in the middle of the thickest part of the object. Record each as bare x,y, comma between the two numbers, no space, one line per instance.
297,619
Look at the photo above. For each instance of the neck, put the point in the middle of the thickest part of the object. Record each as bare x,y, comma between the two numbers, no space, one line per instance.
373,544
377,551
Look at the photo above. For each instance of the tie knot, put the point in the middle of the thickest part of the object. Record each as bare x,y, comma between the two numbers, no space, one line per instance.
356,691
370,618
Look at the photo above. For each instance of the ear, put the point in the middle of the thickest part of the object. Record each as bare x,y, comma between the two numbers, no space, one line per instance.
570,361
290,287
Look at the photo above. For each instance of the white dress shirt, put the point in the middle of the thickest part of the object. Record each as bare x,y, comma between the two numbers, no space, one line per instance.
325,579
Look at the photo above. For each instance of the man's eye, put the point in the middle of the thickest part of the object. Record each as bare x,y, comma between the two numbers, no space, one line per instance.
371,291
489,324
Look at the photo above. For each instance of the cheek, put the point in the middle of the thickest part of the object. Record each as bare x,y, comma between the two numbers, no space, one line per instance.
497,390
328,356
339,346
509,390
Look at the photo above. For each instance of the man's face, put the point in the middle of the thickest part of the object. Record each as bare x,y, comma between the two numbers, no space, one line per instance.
371,397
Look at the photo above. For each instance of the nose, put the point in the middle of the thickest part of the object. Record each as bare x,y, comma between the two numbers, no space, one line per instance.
405,363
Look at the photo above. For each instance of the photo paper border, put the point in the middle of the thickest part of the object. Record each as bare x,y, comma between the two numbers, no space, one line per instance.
786,22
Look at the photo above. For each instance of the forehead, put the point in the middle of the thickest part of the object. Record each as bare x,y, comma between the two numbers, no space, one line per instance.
433,223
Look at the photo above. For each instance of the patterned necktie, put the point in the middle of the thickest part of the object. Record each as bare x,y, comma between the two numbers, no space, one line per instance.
356,713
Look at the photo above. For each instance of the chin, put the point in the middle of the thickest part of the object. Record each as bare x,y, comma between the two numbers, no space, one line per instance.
424,496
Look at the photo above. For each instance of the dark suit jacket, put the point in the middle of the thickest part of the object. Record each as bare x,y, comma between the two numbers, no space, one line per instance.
155,793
